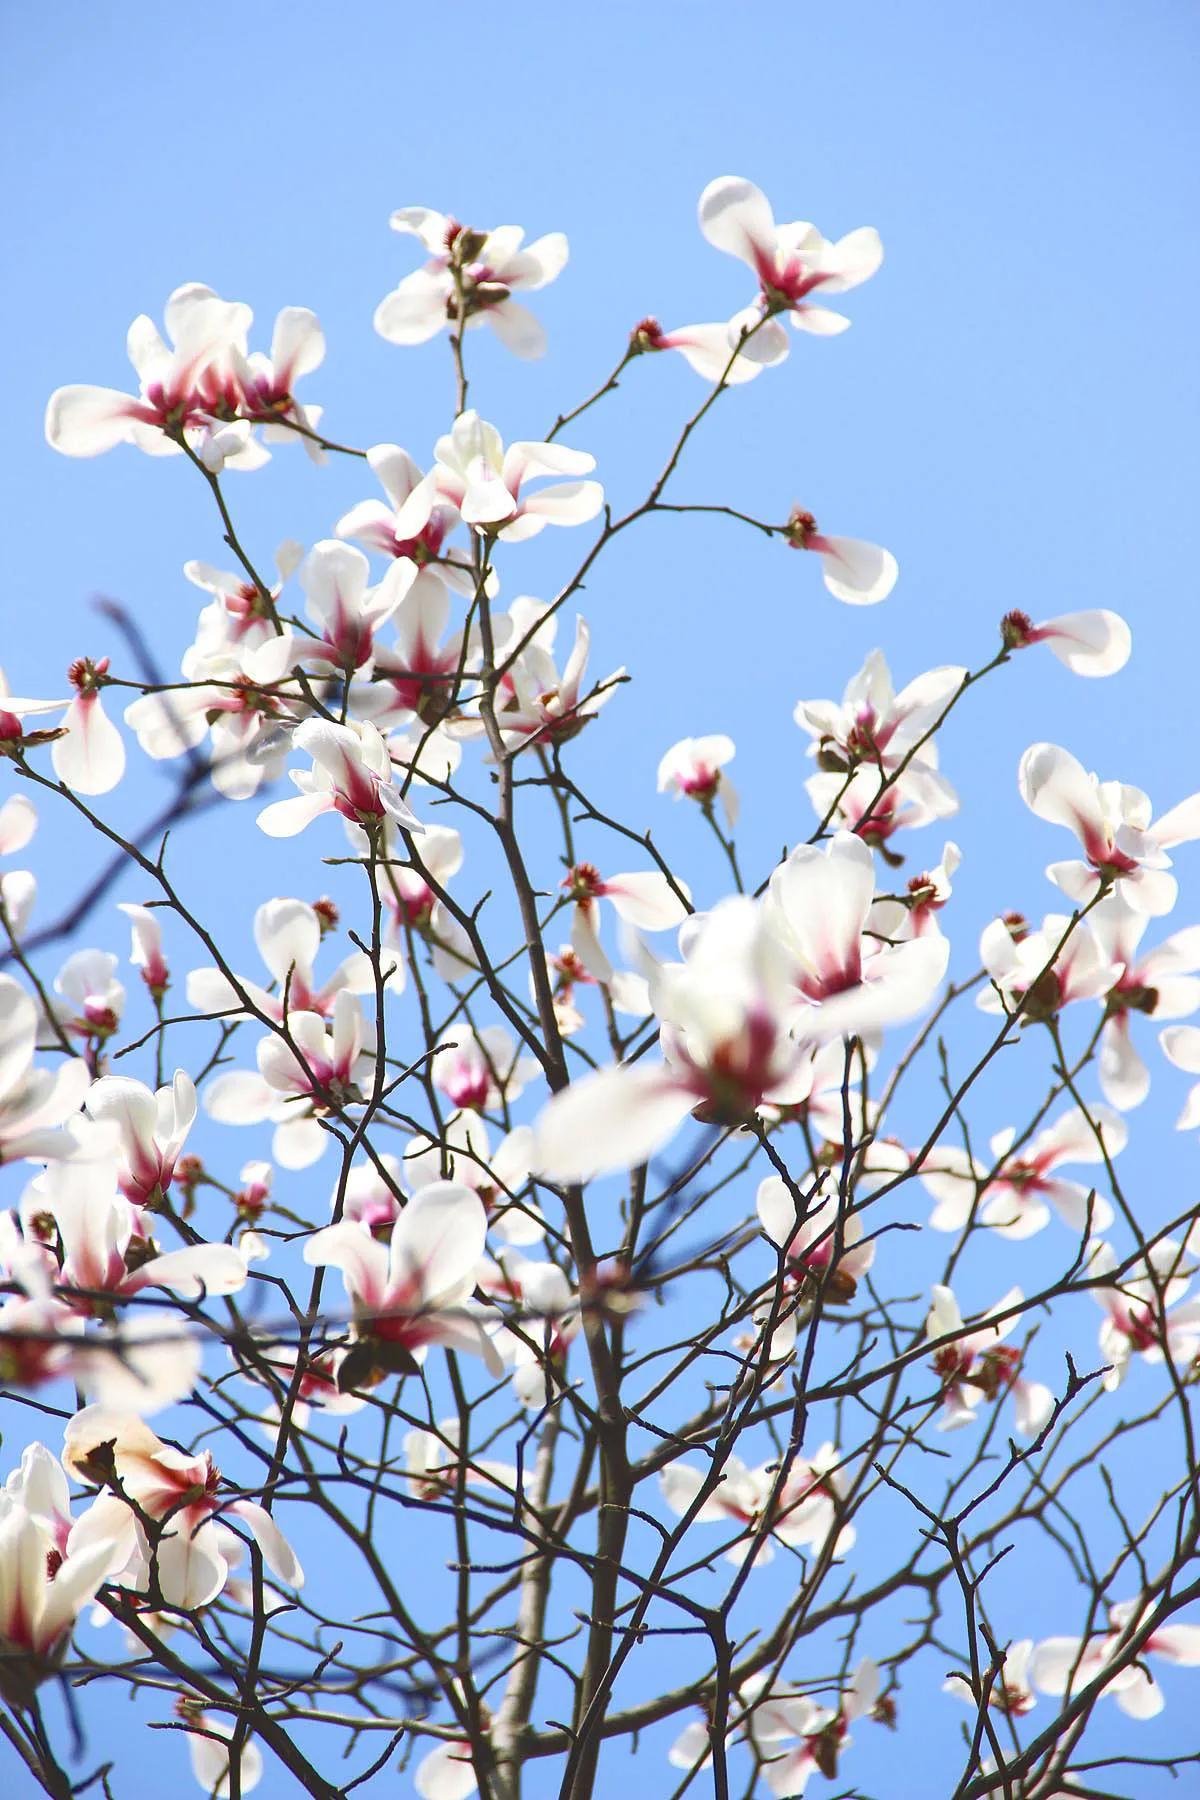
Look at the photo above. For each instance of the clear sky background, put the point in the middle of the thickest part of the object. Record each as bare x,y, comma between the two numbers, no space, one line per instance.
1013,412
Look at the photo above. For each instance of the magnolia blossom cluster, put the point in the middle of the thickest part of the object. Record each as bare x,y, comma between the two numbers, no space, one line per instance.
463,1073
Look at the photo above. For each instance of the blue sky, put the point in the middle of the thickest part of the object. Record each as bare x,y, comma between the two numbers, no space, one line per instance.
1013,412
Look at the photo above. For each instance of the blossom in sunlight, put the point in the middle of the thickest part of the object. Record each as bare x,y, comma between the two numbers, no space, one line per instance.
345,609
178,381
1089,643
432,1461
874,724
1010,1692
843,981
695,767
192,1550
447,1772
469,280
1015,1196
418,1291
106,1247
976,1366
497,1176
151,1129
238,616
35,1103
263,385
859,574
481,1071
1112,821
820,1734
413,908
90,758
45,1583
548,708
803,1512
876,807
485,481
351,775
415,521
288,934
822,1246
711,350
1043,971
92,1000
241,694
645,900
725,1013
547,1322
790,262
146,947
211,1756
1145,1311
322,1067
914,913
1062,1665
1160,984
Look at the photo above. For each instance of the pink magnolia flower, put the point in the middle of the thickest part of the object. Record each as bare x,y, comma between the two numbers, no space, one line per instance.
711,350
547,707
489,265
975,1366
548,1320
211,1757
447,1772
288,934
432,1460
695,767
1062,1665
485,481
1016,1196
43,1589
646,901
1160,984
804,1512
859,574
351,775
414,524
419,675
815,1248
181,1493
823,1732
413,907
860,802
241,696
481,1071
497,1176
725,1013
1089,643
346,610
914,912
106,1246
416,1293
1011,1692
296,1087
151,1129
791,262
90,759
843,982
92,997
1142,1309
1028,965
873,723
35,1103
1113,823
236,617
263,386
146,951
178,384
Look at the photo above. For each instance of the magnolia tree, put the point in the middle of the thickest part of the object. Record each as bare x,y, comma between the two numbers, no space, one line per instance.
609,1313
